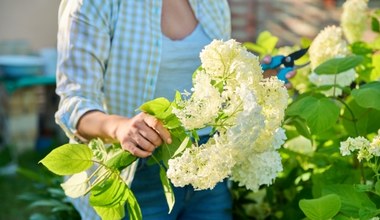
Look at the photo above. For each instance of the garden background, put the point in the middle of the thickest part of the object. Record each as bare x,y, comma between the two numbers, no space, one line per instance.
27,125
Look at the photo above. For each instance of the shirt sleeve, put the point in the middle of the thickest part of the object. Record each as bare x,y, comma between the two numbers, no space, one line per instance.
83,47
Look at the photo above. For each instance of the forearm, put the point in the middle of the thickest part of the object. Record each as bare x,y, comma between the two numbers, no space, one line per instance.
97,124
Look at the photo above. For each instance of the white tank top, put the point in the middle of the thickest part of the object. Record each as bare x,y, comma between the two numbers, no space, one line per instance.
180,58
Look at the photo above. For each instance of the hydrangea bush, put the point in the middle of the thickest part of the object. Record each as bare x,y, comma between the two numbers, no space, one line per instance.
331,157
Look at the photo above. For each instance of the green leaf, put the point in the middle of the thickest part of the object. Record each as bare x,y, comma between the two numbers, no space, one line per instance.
76,185
305,42
68,159
161,108
255,48
375,24
267,41
117,210
361,48
365,120
169,194
39,216
45,203
109,193
377,187
156,106
300,124
110,213
375,73
352,201
166,151
98,149
338,65
368,95
133,207
264,45
368,212
169,119
322,208
362,187
320,112
119,158
182,147
178,97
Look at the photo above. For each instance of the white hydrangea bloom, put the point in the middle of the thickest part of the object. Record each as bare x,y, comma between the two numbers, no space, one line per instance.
364,154
249,122
354,19
345,148
247,110
202,167
279,138
374,148
329,43
359,144
76,185
217,57
342,79
257,169
273,97
247,69
203,106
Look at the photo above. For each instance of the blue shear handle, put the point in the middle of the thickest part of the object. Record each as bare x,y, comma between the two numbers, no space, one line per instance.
281,75
275,63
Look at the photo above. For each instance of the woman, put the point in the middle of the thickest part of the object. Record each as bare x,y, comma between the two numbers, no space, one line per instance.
115,55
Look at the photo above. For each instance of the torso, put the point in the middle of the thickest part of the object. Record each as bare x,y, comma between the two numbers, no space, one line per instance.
177,19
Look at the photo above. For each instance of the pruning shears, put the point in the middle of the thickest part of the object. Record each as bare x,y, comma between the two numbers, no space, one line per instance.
286,61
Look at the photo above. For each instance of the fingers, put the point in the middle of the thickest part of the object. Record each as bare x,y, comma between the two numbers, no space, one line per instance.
288,85
267,59
135,150
157,126
142,134
290,74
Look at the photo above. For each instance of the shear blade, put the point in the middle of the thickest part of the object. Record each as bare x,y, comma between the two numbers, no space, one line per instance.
298,54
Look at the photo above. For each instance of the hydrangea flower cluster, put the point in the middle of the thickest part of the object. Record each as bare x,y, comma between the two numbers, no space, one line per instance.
246,111
354,19
366,149
334,46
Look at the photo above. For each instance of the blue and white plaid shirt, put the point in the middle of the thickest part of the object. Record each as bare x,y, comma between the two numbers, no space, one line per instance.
109,54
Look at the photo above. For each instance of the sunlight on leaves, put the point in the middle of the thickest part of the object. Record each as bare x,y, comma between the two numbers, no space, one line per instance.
321,208
338,65
76,185
68,159
264,45
169,194
320,112
368,95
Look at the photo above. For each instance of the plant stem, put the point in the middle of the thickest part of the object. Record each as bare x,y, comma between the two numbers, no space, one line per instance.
354,119
158,162
101,177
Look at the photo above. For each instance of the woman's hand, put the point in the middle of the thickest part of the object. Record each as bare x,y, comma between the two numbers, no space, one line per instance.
141,135
273,72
